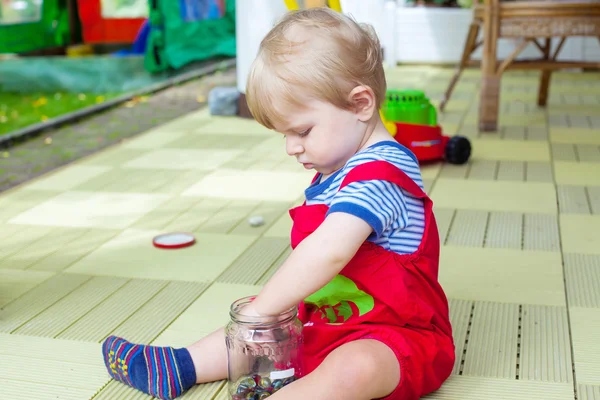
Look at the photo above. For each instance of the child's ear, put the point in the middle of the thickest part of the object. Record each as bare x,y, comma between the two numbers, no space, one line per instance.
363,99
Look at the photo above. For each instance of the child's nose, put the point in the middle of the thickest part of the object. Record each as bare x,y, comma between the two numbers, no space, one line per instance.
293,146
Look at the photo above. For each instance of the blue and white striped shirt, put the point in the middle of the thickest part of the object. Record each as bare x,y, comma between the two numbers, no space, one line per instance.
397,217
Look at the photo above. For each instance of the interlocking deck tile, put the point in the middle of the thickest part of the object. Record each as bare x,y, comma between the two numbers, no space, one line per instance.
63,369
252,264
545,352
275,266
155,139
158,313
169,211
18,201
582,276
117,390
585,331
477,388
15,240
483,169
251,185
234,126
30,304
460,316
74,250
59,316
573,199
504,275
574,135
430,171
588,392
207,314
67,178
588,153
510,150
563,152
114,157
593,193
281,228
468,228
504,230
15,282
269,211
579,233
540,232
492,348
113,311
539,171
37,250
88,209
178,159
573,173
534,197
191,218
444,218
147,180
217,141
131,255
227,218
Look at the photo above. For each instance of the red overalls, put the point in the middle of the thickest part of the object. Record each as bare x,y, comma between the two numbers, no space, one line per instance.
403,304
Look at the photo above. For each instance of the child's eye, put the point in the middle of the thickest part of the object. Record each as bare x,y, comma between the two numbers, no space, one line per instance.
306,132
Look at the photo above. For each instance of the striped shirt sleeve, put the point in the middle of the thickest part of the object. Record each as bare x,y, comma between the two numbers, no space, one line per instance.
379,203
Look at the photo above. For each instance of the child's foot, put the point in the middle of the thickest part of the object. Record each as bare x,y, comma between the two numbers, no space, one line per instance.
163,372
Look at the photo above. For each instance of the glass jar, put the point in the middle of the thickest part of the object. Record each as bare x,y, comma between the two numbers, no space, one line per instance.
264,353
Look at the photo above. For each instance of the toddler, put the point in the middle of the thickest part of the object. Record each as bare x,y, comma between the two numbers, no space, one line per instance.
365,237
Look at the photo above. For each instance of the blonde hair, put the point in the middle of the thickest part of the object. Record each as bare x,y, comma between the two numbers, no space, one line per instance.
335,55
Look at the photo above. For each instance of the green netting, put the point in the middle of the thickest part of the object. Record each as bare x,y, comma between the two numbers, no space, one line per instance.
184,31
27,25
97,74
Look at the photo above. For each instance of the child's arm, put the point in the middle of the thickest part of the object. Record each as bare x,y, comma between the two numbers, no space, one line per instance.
312,264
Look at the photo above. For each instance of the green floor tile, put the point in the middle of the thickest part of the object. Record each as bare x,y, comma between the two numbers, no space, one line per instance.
158,313
38,299
68,178
73,251
132,255
55,241
183,159
15,282
207,314
255,261
113,311
61,315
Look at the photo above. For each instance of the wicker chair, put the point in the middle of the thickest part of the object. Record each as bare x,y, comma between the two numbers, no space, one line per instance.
530,21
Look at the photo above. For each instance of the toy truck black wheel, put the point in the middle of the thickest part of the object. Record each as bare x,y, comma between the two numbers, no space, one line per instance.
458,150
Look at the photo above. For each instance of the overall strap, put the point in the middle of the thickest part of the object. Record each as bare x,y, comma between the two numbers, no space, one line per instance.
383,171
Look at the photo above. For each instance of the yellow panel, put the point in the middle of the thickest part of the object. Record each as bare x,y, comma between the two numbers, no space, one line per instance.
574,135
132,255
476,388
503,275
87,209
14,282
574,173
183,159
510,150
533,197
585,327
67,178
251,185
579,233
207,314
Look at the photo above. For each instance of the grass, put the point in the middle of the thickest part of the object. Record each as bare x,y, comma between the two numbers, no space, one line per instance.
18,110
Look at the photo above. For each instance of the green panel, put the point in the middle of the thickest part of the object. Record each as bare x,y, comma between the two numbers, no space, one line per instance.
174,42
51,30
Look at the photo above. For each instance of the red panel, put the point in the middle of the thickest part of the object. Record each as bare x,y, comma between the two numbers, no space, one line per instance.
99,30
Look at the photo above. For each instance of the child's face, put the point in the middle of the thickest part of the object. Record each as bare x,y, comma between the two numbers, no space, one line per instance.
322,136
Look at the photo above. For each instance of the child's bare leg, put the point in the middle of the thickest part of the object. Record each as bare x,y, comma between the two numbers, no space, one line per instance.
209,355
166,372
359,370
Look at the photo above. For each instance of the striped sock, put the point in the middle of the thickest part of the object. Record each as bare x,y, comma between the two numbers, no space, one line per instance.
163,372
